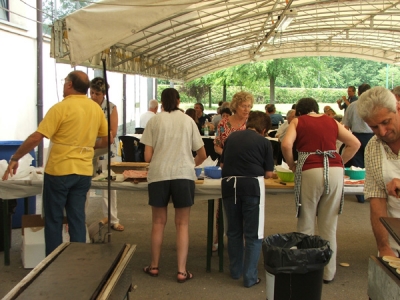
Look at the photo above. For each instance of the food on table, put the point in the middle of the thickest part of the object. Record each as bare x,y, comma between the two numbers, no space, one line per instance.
391,258
394,264
134,174
354,182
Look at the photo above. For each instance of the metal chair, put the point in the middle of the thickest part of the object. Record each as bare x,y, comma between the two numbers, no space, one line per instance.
139,130
132,149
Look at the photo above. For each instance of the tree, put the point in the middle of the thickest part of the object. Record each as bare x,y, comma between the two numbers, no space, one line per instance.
197,89
57,9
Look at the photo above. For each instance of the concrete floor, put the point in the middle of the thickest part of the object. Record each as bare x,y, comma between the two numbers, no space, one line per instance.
355,245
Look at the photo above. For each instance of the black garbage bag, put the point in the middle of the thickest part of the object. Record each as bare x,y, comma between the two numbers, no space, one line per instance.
309,253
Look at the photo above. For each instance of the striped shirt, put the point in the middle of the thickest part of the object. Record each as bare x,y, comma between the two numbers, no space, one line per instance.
374,186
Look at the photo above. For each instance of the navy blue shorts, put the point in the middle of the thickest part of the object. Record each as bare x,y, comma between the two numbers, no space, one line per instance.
180,190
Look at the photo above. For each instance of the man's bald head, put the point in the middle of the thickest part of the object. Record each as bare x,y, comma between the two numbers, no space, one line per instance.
80,82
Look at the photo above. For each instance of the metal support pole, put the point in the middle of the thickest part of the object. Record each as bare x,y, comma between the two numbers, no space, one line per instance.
210,225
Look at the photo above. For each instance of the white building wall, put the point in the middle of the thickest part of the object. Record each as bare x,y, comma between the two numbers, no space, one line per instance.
18,79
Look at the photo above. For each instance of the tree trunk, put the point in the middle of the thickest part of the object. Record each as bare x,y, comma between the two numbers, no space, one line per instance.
224,92
272,89
209,97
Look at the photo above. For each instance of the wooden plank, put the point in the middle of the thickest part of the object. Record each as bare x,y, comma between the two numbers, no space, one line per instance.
120,167
275,183
130,164
28,279
79,272
118,273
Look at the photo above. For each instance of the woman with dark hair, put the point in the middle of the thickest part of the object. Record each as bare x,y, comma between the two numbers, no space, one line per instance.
246,160
319,172
169,138
191,112
97,94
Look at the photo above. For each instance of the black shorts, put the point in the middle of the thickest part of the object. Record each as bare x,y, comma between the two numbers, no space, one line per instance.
180,190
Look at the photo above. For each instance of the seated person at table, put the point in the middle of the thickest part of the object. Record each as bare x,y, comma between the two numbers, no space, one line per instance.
246,161
275,118
217,118
203,118
226,113
329,112
280,134
151,112
192,113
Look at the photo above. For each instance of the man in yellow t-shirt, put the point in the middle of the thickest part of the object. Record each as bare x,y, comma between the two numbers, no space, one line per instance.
72,127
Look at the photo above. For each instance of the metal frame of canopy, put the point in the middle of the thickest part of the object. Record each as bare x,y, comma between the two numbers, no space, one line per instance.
183,40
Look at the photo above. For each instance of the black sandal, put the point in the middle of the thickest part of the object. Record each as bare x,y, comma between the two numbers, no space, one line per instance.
257,282
187,276
148,270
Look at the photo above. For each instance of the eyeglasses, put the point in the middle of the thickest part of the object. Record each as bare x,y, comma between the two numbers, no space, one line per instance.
64,80
245,106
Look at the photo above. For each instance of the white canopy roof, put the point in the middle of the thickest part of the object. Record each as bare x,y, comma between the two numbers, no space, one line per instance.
185,39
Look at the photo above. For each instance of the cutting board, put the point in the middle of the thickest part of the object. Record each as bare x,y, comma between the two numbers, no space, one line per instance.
120,167
276,184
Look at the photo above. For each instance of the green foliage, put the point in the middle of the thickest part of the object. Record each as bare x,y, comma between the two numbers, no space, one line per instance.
261,94
323,78
57,9
197,89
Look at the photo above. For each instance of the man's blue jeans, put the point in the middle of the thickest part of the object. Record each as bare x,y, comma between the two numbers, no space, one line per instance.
64,192
243,223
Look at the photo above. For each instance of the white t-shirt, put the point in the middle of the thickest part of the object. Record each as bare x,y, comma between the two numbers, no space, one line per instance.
282,130
173,137
144,118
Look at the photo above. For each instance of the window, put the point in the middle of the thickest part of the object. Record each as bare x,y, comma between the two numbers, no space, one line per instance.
3,13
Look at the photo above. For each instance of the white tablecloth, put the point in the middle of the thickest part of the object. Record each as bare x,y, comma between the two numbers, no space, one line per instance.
210,189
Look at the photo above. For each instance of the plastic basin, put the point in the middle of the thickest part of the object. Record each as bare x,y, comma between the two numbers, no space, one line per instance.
355,174
213,172
286,176
198,171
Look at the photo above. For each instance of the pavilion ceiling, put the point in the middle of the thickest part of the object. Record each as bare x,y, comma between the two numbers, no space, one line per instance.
183,40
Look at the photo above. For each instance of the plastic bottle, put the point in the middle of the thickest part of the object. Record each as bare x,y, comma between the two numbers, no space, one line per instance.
206,130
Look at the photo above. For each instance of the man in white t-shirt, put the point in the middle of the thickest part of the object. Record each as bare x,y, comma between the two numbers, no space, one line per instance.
283,128
153,108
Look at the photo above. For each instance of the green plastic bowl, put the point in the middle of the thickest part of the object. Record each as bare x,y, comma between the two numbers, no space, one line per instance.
355,174
286,176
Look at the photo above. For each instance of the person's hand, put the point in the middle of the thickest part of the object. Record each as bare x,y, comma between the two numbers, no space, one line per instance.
339,101
11,169
344,98
293,168
393,187
387,251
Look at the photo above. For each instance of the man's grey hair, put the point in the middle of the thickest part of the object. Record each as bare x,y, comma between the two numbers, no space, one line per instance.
396,90
153,103
373,100
290,112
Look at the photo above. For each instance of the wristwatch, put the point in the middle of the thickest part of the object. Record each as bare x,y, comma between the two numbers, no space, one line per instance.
12,158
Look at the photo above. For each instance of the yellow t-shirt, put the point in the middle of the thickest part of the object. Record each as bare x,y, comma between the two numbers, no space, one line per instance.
73,126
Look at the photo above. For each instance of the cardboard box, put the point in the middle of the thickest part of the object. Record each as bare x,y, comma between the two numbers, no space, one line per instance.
33,246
